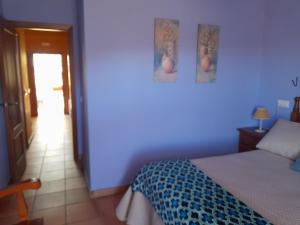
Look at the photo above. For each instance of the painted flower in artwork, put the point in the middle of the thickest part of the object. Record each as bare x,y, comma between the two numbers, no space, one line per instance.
207,54
165,51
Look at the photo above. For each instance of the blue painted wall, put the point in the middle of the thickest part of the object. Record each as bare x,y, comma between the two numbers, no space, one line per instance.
59,12
80,14
132,119
281,55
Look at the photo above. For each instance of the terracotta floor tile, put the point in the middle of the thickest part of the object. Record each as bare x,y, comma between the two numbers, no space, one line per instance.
50,159
51,186
70,164
109,219
33,168
28,158
69,154
69,145
77,195
38,138
49,200
53,175
35,151
52,216
37,147
74,183
29,193
56,146
81,212
68,138
54,153
30,201
53,166
69,157
73,172
35,154
106,206
34,161
95,221
27,176
68,149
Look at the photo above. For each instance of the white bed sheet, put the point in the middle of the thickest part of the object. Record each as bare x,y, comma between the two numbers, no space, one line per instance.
260,179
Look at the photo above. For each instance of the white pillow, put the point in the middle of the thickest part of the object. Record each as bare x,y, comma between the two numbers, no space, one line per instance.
283,139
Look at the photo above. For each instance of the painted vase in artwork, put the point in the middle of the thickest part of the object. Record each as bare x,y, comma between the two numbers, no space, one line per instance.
203,51
205,63
167,64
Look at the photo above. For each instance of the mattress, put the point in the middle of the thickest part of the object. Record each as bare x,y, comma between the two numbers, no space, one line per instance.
260,179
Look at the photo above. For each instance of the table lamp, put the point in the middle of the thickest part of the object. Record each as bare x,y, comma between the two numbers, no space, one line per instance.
261,114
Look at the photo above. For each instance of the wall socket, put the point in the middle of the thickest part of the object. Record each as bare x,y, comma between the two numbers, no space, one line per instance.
283,103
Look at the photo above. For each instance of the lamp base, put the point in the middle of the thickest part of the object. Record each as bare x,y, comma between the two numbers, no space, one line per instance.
260,131
260,128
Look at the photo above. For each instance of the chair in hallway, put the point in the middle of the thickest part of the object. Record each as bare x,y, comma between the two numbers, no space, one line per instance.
18,189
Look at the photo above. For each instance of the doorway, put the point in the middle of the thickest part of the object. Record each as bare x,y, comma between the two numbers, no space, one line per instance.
49,83
22,40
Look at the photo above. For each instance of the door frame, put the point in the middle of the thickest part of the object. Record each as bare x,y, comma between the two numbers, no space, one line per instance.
70,31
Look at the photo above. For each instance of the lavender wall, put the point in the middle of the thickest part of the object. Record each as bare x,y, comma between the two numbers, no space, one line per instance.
131,119
52,11
281,55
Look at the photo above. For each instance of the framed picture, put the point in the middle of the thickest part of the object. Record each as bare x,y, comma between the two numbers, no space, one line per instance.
207,53
165,50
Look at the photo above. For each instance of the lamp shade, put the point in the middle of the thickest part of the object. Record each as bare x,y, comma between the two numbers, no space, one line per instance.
261,114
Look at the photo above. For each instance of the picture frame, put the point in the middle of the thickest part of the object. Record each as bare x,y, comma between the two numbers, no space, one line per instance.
166,33
207,53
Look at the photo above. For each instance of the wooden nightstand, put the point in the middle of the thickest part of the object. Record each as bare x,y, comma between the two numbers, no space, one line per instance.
249,138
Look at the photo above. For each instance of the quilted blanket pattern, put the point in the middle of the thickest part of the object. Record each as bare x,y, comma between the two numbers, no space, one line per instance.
183,195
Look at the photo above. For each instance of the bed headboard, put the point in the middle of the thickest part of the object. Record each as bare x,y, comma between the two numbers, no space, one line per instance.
295,115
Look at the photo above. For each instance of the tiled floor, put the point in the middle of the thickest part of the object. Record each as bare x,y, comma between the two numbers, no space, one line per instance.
63,198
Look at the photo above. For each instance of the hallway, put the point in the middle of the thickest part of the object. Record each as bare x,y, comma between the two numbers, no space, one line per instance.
63,198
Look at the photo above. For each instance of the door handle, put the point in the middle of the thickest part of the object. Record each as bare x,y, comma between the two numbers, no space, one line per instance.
4,104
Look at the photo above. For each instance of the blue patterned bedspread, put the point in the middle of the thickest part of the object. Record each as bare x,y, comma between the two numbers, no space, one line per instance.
182,195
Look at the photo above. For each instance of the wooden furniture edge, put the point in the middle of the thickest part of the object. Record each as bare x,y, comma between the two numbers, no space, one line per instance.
108,191
295,115
18,189
33,183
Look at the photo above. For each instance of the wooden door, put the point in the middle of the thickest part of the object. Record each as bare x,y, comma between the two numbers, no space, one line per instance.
25,85
11,101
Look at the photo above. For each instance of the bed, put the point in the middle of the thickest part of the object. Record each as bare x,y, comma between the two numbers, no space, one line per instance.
261,180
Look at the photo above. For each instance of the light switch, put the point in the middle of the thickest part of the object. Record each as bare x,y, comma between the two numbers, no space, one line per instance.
283,103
